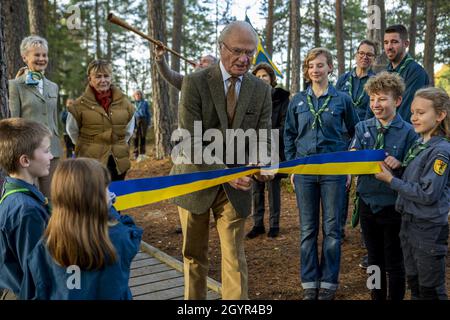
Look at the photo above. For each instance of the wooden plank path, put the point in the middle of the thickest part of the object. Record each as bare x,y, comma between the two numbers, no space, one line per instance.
155,275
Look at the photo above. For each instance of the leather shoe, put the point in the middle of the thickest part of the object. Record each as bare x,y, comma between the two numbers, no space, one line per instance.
310,294
326,294
256,231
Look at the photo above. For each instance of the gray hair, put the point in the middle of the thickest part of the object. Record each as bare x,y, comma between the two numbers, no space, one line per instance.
237,24
32,41
213,59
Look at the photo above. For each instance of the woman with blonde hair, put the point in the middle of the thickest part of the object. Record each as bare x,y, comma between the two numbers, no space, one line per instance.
85,254
101,122
32,96
314,125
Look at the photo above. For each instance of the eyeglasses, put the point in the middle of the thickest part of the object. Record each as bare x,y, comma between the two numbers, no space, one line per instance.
369,55
239,52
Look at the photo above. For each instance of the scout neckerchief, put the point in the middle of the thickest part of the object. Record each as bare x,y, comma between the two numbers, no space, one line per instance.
356,102
33,78
319,112
414,151
379,144
404,64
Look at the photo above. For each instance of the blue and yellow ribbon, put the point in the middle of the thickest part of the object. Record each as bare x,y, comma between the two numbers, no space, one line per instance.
139,192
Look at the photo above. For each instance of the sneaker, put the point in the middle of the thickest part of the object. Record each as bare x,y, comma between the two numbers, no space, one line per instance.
273,232
139,158
178,230
310,294
326,294
364,264
256,231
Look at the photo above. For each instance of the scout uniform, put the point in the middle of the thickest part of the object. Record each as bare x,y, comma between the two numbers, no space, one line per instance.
415,78
47,280
376,203
423,201
351,84
23,218
313,126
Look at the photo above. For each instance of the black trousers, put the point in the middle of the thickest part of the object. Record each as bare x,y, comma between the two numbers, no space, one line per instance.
274,202
381,236
425,246
69,146
112,167
139,137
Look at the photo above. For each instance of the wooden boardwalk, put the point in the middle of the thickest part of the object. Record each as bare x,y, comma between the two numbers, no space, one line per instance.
155,275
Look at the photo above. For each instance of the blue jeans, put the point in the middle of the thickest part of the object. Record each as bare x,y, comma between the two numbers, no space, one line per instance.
312,192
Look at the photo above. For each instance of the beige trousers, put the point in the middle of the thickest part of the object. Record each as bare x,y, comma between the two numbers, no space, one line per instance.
195,250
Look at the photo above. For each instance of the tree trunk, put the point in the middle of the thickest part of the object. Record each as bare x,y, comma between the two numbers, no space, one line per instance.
430,37
37,17
289,53
269,28
108,35
375,31
4,110
178,9
98,49
162,117
16,28
413,29
316,24
340,37
295,45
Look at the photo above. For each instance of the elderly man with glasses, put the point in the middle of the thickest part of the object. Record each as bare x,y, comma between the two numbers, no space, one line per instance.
224,96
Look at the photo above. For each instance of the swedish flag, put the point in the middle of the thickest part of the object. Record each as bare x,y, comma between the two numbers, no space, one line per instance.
261,54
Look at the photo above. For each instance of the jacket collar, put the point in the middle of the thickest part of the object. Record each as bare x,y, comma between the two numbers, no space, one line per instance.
89,94
19,183
330,91
391,68
369,73
33,89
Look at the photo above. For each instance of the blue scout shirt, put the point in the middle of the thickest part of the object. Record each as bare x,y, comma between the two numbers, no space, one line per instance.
415,78
301,139
142,110
424,189
398,138
47,280
360,99
23,218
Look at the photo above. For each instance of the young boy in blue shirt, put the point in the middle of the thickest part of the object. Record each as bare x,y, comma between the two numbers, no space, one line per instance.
25,156
380,222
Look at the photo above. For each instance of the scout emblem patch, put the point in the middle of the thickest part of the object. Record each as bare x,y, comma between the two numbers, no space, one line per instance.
439,167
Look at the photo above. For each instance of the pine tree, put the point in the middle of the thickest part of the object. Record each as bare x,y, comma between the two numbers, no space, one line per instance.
4,110
16,28
161,112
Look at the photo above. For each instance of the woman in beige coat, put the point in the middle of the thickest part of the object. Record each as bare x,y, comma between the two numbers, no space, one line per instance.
32,96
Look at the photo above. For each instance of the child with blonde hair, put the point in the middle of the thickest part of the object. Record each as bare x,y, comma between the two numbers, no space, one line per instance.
424,195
